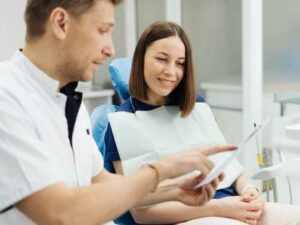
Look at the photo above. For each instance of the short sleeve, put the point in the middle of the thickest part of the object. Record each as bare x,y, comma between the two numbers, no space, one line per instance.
97,160
111,151
26,165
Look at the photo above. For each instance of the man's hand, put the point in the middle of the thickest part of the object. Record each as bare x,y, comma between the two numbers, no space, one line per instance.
176,165
196,159
187,195
184,162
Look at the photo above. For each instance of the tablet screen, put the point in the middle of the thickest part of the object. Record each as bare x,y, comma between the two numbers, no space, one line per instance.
218,169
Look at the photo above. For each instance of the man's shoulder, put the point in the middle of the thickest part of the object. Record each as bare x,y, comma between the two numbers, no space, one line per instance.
7,76
14,84
10,72
6,69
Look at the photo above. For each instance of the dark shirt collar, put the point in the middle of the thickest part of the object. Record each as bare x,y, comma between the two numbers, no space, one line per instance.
70,88
73,103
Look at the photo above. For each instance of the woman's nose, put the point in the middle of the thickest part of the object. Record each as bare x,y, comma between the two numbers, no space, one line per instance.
170,69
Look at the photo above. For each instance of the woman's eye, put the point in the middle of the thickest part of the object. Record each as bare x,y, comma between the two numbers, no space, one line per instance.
180,63
161,59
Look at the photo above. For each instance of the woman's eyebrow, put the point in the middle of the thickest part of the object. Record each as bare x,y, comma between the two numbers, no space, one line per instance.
163,53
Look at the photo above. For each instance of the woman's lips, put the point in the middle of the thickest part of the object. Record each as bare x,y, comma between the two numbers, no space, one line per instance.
166,83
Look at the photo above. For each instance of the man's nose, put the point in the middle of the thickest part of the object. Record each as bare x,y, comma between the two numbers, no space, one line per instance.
109,50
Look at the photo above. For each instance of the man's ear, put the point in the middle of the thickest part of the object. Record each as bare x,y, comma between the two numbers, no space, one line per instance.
59,23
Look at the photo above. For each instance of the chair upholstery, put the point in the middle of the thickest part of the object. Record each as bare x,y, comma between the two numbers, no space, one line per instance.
99,120
119,71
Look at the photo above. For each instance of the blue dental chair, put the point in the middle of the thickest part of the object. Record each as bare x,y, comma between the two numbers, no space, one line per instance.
119,71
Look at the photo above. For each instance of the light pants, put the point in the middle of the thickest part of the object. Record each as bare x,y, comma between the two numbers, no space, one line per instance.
275,214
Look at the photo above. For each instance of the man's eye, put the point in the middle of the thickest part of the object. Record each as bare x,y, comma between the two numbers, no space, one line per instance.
103,31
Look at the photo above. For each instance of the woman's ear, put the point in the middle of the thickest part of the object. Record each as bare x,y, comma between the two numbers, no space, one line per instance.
59,23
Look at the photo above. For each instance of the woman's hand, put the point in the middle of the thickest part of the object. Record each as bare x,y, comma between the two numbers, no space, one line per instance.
250,194
250,191
236,208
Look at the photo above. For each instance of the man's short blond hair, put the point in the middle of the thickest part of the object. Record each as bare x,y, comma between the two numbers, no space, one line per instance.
38,11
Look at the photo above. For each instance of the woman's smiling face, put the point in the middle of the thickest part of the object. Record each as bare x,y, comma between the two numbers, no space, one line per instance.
163,68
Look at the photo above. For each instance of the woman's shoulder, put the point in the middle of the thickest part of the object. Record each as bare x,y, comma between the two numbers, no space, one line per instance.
199,98
125,107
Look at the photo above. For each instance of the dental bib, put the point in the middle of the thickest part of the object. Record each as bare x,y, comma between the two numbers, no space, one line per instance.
146,136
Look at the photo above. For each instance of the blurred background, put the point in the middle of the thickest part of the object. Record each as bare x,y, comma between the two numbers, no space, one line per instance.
241,92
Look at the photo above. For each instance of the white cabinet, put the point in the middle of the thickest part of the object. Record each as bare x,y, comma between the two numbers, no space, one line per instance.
94,97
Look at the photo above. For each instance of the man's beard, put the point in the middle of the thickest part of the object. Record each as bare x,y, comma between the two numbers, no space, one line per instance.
71,70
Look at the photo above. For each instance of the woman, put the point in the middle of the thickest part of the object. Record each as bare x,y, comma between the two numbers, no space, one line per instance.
162,74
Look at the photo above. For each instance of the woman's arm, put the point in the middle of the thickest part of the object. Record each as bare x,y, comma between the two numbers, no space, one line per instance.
175,212
244,188
172,213
240,183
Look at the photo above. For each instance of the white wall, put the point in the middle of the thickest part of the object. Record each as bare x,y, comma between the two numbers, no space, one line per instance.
149,12
281,40
101,78
12,27
214,29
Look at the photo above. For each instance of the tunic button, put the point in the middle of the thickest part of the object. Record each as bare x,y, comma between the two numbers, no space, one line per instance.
76,97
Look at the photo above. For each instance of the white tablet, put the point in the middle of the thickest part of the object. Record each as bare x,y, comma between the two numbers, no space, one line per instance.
218,169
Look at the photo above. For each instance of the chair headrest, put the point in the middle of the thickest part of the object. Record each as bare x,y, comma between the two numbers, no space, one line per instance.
119,71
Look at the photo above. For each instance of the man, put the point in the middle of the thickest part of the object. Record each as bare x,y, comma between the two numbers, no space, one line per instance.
50,168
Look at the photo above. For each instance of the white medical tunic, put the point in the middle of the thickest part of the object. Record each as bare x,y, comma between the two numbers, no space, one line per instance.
35,150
